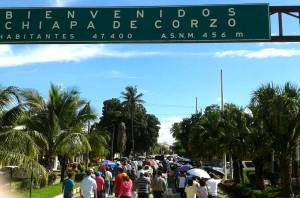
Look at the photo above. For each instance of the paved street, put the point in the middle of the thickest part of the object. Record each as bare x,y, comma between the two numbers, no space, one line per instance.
177,195
221,194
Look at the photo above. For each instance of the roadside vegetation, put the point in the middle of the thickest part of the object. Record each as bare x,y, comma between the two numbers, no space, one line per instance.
266,131
34,130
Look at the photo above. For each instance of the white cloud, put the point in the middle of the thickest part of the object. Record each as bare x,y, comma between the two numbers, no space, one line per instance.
117,74
11,56
263,53
164,132
61,3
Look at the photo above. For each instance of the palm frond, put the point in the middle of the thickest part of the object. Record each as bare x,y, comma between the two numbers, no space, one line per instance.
21,160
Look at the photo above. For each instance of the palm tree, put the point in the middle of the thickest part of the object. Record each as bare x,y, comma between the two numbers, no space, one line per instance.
258,145
279,108
234,130
132,102
17,146
61,121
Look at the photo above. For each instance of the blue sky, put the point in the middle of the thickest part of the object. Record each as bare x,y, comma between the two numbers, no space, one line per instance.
170,76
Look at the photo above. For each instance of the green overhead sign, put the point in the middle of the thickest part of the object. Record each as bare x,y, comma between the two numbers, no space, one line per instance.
206,23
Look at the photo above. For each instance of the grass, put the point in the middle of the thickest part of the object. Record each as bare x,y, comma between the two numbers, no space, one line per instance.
46,192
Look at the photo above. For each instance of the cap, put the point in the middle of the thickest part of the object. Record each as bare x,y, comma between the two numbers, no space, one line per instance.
97,173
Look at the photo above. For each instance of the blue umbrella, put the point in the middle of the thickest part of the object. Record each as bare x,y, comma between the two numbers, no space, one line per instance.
185,167
107,162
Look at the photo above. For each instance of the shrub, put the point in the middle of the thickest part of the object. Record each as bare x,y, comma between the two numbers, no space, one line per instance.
51,178
246,174
81,168
273,177
25,184
251,177
79,176
245,191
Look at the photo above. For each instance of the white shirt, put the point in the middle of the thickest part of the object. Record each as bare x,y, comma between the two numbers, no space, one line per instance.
213,186
88,185
203,190
108,176
181,183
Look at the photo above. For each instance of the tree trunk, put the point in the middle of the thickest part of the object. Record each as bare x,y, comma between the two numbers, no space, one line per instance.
236,170
259,169
49,161
112,142
285,175
132,136
63,162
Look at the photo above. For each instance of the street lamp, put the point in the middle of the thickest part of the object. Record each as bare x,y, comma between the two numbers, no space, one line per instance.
11,168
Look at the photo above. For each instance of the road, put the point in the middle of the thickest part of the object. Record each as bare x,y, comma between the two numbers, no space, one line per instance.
221,194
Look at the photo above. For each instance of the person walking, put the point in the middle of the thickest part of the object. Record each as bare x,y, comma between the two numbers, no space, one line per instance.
108,180
191,189
159,186
203,189
181,184
142,186
213,185
67,186
170,184
88,186
100,185
126,187
118,181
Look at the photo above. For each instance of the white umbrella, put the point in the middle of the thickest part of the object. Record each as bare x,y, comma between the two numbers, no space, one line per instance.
199,173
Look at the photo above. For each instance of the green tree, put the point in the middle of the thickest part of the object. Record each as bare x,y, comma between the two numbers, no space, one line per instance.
233,126
279,108
61,121
258,144
16,144
112,116
132,102
146,125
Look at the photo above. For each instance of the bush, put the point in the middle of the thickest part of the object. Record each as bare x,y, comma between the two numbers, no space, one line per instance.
246,174
81,168
51,178
249,191
251,177
25,184
79,176
273,177
245,191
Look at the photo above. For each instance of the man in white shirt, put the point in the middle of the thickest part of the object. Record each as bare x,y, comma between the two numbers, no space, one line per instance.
88,186
213,185
108,181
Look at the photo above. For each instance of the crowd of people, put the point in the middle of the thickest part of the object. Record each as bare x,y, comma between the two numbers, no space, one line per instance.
132,180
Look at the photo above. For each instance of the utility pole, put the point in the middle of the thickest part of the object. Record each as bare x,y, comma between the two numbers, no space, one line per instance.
87,153
112,141
222,110
196,105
